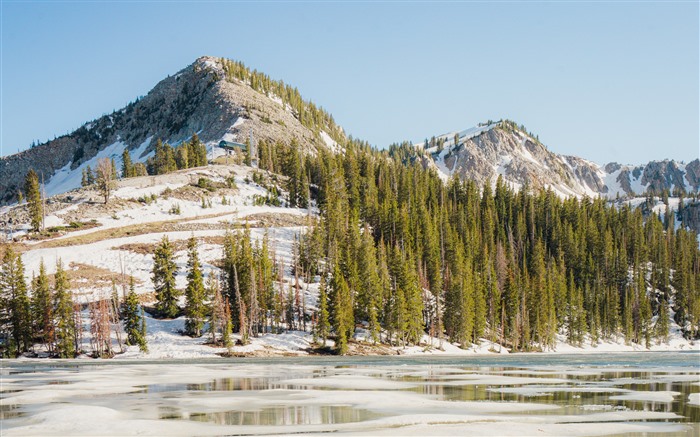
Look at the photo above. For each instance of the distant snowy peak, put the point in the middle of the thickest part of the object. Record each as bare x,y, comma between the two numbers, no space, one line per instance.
490,150
655,175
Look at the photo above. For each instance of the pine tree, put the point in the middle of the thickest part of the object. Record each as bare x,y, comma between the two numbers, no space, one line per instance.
342,316
366,307
480,290
194,293
31,188
42,308
89,176
662,322
15,315
113,167
163,277
227,334
182,159
63,310
200,151
323,323
414,304
133,319
127,165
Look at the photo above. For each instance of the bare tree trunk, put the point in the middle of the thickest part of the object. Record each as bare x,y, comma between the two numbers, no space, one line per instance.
243,324
297,297
78,322
253,305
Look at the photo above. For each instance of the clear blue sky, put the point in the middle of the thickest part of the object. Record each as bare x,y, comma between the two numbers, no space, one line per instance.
605,81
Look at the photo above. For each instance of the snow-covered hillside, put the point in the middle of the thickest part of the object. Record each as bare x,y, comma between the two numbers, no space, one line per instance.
120,237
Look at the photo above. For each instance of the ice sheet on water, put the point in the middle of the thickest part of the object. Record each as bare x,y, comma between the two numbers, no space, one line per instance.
129,398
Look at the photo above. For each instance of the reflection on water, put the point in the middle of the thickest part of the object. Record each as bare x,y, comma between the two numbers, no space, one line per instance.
276,416
328,391
10,411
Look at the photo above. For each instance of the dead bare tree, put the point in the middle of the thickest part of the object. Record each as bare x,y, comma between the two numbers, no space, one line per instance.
105,177
217,322
100,328
243,323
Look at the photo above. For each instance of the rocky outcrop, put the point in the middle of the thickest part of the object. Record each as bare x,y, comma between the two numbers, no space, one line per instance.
692,175
662,175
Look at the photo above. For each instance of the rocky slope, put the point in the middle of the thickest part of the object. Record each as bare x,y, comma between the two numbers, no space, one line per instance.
504,149
201,99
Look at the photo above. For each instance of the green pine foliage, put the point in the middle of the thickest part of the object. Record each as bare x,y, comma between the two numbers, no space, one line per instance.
128,170
163,277
134,319
15,314
42,308
66,329
31,190
167,159
194,293
249,276
341,310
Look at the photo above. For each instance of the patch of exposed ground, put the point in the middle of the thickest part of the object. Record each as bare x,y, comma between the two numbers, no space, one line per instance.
81,274
276,220
132,230
178,245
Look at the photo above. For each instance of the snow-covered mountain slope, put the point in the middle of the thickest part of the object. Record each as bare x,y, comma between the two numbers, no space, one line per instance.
203,98
485,152
115,241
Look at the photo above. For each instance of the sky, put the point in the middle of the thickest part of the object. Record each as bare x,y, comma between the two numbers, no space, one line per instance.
607,81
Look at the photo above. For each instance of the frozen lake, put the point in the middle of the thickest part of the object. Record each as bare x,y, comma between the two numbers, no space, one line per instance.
521,394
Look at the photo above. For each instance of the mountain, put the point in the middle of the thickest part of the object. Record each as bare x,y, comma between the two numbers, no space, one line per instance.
503,148
216,98
223,100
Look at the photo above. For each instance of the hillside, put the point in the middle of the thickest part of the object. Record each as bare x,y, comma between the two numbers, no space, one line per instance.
215,98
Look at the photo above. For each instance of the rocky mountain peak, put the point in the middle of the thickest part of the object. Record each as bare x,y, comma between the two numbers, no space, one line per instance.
507,149
215,98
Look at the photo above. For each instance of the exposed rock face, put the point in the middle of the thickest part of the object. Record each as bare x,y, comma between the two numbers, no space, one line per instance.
198,99
692,174
520,159
662,175
690,215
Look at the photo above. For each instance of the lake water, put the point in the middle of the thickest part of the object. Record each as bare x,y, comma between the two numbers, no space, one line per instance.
521,394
